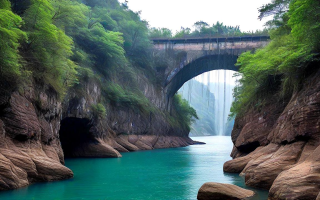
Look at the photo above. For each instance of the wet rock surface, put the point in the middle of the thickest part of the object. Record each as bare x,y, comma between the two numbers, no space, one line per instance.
219,191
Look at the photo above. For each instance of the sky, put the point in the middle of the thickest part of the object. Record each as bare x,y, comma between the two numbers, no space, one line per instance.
174,14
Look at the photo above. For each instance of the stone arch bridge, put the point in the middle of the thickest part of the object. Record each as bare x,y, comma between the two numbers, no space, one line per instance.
194,56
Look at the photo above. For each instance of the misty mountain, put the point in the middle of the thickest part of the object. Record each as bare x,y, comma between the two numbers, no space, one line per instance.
212,104
202,100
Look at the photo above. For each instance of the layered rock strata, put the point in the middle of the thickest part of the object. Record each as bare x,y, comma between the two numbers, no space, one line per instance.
286,159
30,149
37,131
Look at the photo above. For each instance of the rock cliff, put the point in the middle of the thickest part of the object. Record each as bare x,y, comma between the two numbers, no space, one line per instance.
277,147
30,148
37,130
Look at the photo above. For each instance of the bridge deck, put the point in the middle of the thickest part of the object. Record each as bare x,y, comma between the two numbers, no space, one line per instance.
209,39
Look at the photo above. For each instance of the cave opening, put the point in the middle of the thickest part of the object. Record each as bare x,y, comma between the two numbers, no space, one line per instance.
74,133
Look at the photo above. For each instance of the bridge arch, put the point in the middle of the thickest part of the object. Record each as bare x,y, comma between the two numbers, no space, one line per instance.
199,55
200,66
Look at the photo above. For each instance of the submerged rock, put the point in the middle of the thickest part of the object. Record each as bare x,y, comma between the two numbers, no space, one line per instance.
198,143
220,191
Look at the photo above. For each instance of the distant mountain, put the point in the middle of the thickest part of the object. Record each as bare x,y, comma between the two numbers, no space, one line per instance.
212,104
203,101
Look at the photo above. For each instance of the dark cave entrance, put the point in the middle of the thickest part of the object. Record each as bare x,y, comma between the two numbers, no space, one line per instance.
74,133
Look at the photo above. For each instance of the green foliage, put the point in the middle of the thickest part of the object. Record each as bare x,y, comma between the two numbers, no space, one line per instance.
98,110
281,66
160,33
135,30
200,25
11,35
305,23
182,33
182,113
101,15
275,8
118,96
69,15
104,46
5,4
202,29
48,48
97,45
67,43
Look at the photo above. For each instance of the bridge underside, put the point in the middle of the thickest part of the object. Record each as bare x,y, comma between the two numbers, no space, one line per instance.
199,66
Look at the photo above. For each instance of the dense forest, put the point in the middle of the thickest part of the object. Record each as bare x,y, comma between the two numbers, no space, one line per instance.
279,69
203,29
64,44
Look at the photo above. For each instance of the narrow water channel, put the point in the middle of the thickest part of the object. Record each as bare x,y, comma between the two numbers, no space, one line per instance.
166,174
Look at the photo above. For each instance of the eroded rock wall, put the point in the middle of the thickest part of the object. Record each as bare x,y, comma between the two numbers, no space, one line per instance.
286,161
30,148
121,130
37,130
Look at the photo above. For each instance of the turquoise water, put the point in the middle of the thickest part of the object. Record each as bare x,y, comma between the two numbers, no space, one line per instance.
159,174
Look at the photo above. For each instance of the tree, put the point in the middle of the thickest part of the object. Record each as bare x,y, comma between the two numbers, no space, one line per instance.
277,9
284,63
11,35
160,33
48,47
199,25
183,32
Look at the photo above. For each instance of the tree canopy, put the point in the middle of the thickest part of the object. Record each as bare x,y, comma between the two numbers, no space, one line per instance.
283,64
63,44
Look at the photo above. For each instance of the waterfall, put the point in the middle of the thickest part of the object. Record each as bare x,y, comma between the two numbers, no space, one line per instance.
221,84
217,97
223,93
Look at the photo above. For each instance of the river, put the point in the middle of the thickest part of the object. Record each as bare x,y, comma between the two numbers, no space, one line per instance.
168,174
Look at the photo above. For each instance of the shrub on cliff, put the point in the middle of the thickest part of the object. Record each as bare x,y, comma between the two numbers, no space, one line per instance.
98,110
118,96
48,49
295,36
182,113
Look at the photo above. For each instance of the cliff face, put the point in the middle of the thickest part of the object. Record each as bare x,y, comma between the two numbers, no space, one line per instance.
30,149
37,130
278,147
122,129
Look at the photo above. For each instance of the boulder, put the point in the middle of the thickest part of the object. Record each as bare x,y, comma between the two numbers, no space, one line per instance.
262,175
300,182
237,165
220,191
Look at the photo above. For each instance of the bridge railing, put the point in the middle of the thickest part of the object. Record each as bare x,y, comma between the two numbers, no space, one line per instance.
209,39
